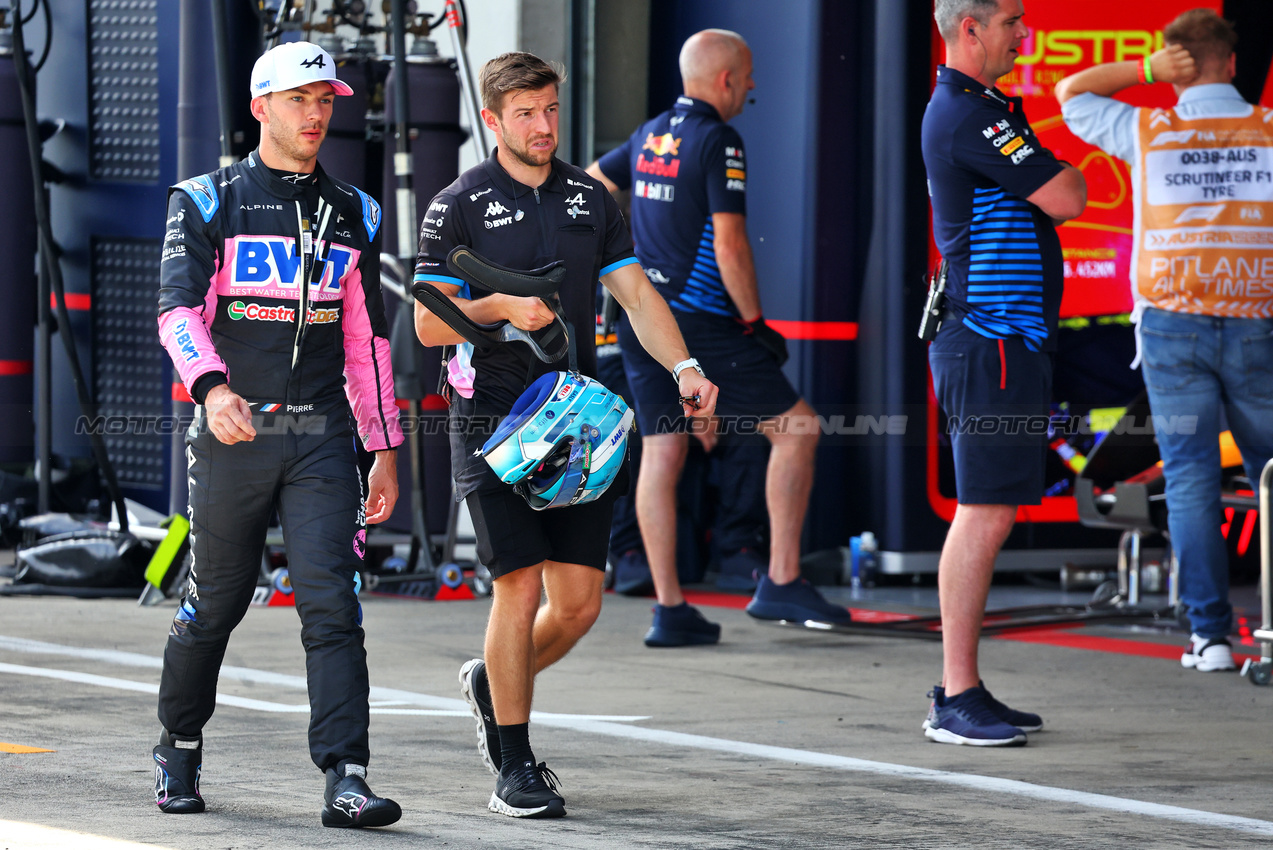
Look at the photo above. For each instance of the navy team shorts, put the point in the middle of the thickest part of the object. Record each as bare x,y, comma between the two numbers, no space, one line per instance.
752,385
997,396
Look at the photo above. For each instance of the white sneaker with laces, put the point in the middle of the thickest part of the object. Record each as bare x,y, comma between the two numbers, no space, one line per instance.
1208,655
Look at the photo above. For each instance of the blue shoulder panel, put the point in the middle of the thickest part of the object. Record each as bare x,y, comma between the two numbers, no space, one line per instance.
204,194
370,214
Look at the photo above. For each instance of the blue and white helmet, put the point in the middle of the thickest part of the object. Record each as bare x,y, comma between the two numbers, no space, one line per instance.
563,443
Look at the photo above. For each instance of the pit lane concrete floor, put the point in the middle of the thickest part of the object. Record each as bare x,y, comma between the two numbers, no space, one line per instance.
776,738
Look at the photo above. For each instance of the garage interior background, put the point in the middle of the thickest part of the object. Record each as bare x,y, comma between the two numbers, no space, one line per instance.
838,211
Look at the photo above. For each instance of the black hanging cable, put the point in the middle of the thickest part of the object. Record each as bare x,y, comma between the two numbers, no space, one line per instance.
48,34
225,114
421,547
49,260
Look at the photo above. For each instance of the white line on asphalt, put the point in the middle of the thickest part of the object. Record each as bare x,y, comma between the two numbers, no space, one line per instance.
603,726
285,708
989,784
30,836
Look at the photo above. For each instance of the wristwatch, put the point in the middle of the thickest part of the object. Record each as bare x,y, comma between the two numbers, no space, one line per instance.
686,364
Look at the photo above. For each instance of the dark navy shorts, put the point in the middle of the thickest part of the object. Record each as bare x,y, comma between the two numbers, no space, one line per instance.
512,535
752,385
997,396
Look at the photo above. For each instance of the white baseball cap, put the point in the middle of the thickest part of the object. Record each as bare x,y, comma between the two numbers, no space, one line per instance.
292,65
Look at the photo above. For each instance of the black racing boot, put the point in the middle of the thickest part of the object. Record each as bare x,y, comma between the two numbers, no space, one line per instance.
349,802
177,765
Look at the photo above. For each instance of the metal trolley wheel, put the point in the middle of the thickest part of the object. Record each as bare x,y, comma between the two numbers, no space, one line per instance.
451,575
482,580
1258,672
281,581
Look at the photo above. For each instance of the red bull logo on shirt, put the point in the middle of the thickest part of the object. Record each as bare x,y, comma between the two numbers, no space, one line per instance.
661,145
658,167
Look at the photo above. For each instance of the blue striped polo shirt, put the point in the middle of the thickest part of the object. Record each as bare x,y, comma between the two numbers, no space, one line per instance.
983,161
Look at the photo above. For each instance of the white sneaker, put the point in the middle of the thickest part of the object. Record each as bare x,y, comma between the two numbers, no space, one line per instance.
1208,656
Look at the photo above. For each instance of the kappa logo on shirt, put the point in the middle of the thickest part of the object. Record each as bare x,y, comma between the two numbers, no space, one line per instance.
495,208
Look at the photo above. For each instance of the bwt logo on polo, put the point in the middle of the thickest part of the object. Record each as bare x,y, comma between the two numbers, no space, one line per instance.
272,261
275,313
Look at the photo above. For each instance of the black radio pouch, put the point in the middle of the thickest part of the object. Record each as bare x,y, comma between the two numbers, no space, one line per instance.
934,305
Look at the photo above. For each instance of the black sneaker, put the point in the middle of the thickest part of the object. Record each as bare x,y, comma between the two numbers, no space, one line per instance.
477,693
349,802
177,778
528,791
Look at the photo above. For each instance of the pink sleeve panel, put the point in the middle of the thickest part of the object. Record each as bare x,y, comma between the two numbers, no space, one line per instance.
368,373
185,336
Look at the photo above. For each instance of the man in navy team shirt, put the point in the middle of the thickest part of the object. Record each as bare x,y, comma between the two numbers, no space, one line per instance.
997,195
687,171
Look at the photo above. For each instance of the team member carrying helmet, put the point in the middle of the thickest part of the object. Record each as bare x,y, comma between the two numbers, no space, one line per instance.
524,208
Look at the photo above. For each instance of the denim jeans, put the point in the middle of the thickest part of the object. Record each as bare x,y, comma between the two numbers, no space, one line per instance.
1203,367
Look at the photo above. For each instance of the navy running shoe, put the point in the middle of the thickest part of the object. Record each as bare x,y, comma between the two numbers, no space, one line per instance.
476,689
177,770
681,625
632,574
1023,720
968,718
740,571
528,791
348,802
797,602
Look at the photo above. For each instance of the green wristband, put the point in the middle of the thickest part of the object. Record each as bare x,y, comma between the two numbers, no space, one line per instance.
1149,72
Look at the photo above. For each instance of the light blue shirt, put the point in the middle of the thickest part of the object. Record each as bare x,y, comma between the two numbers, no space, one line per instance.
1111,125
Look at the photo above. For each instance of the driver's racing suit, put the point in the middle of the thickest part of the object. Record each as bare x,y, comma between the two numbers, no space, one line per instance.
305,358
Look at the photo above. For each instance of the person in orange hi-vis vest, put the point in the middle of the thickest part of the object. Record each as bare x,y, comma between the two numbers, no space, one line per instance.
1202,280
